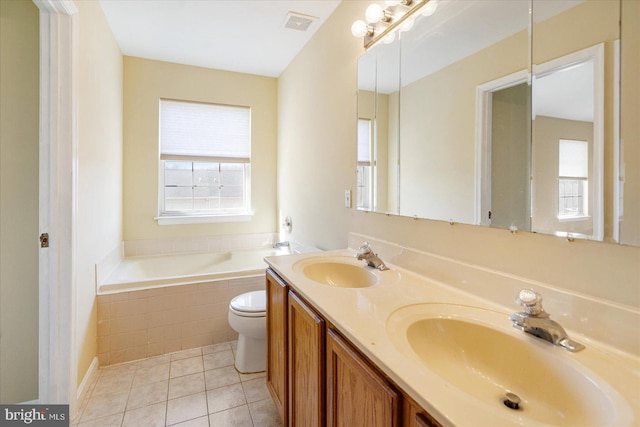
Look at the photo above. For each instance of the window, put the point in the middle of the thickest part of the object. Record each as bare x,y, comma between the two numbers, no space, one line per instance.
573,179
363,184
205,160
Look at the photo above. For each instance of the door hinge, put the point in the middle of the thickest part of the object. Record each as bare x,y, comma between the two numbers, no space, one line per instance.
489,214
44,240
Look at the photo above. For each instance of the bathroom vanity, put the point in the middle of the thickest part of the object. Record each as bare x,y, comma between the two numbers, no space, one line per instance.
314,371
349,345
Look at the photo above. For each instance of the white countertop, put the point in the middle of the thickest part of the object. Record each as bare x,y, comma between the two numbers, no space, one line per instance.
361,315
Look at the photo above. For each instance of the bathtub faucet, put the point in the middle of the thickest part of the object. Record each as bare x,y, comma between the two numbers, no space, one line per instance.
279,245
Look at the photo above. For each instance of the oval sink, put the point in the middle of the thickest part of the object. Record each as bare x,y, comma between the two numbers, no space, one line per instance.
342,272
479,353
340,275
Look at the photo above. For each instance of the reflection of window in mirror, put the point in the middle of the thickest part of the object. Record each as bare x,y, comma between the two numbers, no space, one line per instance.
364,178
573,179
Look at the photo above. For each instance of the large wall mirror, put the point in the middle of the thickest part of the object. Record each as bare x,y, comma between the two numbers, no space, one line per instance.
501,114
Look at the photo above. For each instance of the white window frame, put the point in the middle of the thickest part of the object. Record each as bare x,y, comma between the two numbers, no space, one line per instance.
166,217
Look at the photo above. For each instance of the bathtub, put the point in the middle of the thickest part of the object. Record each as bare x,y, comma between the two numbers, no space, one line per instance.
145,272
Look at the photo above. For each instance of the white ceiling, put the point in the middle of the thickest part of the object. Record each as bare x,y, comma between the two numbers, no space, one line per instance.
246,36
249,36
566,94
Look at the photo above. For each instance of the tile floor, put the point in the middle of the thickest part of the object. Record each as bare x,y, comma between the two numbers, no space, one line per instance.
190,388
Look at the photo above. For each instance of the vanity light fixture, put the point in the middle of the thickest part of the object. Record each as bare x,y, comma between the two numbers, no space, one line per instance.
407,24
375,13
361,29
430,8
380,23
389,38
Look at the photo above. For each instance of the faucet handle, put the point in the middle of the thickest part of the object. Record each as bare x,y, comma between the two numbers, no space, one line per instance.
365,248
531,301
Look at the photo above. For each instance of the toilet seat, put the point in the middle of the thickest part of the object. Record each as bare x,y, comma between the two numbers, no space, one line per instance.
250,304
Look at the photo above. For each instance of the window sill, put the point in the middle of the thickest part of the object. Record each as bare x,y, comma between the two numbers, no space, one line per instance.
203,219
573,218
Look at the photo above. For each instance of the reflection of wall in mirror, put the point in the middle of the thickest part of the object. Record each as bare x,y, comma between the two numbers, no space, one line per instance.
547,132
438,132
376,109
630,122
510,158
393,197
587,24
438,178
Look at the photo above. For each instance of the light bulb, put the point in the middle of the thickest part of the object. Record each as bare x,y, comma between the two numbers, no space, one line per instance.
359,28
430,8
374,13
392,2
389,38
407,24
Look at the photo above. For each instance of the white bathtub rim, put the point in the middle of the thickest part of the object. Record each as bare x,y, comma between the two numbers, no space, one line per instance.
117,288
111,286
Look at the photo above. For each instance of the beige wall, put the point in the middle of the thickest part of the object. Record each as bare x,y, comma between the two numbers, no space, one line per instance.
19,103
582,26
510,157
317,105
145,82
437,132
316,162
99,167
630,122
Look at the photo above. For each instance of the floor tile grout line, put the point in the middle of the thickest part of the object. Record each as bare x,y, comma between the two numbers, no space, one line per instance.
253,423
206,400
139,366
206,393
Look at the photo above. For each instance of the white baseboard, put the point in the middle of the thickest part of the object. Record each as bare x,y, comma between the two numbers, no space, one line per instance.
88,379
31,402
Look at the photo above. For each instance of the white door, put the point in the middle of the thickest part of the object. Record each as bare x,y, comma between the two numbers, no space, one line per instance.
58,133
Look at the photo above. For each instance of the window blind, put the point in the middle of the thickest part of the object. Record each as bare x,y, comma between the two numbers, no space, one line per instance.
364,142
573,158
204,132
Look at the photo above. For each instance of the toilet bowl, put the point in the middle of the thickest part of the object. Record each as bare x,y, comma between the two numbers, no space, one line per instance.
248,317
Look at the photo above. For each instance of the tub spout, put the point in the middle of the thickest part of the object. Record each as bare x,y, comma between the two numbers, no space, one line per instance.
279,245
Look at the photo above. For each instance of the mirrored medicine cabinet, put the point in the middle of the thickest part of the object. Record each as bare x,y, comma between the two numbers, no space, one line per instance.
502,114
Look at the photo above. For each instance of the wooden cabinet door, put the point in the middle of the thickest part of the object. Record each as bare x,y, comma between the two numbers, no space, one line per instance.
277,371
357,396
414,416
306,365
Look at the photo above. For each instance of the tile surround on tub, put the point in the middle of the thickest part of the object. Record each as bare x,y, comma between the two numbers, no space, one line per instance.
597,319
138,324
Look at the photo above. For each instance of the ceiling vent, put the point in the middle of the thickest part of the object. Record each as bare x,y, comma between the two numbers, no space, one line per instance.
298,21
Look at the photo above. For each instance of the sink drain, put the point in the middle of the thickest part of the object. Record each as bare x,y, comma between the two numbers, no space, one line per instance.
512,401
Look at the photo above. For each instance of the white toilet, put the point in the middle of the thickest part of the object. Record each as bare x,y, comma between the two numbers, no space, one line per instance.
248,317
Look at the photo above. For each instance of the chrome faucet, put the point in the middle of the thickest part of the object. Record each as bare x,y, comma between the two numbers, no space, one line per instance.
365,253
535,321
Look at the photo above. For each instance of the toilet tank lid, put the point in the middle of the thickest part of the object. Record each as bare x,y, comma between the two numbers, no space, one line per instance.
250,302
